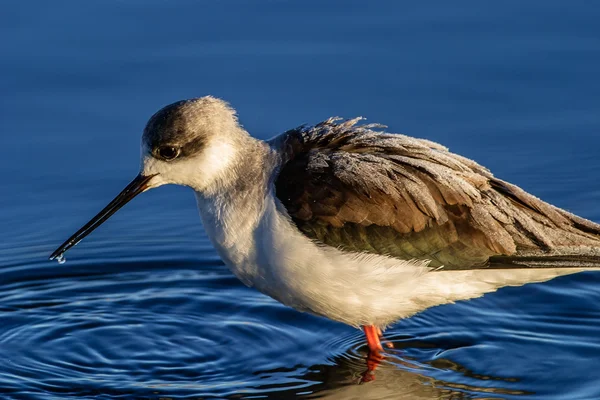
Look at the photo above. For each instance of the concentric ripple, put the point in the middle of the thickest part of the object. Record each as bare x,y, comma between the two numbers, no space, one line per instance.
181,326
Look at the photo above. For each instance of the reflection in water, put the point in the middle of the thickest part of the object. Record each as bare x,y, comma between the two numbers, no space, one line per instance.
397,378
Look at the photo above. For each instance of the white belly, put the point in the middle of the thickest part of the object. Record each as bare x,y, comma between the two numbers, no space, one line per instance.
268,252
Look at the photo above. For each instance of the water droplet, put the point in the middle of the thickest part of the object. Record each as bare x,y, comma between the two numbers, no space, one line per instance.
61,259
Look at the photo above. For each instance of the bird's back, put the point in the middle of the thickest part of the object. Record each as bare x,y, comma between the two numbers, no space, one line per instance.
349,186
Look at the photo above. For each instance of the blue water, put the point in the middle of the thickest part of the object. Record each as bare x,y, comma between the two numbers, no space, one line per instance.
145,309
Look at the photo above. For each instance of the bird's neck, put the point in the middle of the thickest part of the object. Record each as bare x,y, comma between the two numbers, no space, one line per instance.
231,212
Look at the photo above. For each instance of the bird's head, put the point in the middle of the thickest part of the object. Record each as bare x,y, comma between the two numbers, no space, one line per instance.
191,142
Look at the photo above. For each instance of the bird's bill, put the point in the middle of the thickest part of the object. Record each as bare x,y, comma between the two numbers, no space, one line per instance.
138,185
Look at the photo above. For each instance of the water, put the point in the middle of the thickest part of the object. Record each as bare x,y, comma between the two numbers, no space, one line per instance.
145,309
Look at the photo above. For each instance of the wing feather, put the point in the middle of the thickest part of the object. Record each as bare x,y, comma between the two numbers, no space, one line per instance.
349,186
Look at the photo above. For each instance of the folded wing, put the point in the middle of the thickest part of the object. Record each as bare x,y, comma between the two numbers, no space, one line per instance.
349,186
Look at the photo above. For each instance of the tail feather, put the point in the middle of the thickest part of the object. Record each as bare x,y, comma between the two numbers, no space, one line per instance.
545,235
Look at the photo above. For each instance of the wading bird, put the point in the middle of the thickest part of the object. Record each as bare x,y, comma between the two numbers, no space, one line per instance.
350,223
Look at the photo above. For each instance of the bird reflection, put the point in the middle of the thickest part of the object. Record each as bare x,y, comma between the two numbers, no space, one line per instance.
388,375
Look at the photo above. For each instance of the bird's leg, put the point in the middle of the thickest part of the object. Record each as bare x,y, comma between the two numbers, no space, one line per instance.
372,333
374,358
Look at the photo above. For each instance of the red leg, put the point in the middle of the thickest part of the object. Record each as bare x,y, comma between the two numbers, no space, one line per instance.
372,334
374,358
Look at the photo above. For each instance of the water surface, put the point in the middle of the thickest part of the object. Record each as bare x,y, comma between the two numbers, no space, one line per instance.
144,308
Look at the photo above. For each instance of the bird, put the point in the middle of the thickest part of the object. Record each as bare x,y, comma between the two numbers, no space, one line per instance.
346,221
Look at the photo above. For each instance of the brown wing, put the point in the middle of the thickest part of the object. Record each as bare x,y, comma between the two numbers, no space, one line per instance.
348,186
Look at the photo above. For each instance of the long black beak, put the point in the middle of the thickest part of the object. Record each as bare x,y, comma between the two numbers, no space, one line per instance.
137,186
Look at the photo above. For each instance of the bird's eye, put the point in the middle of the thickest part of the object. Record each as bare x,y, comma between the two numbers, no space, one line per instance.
168,152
